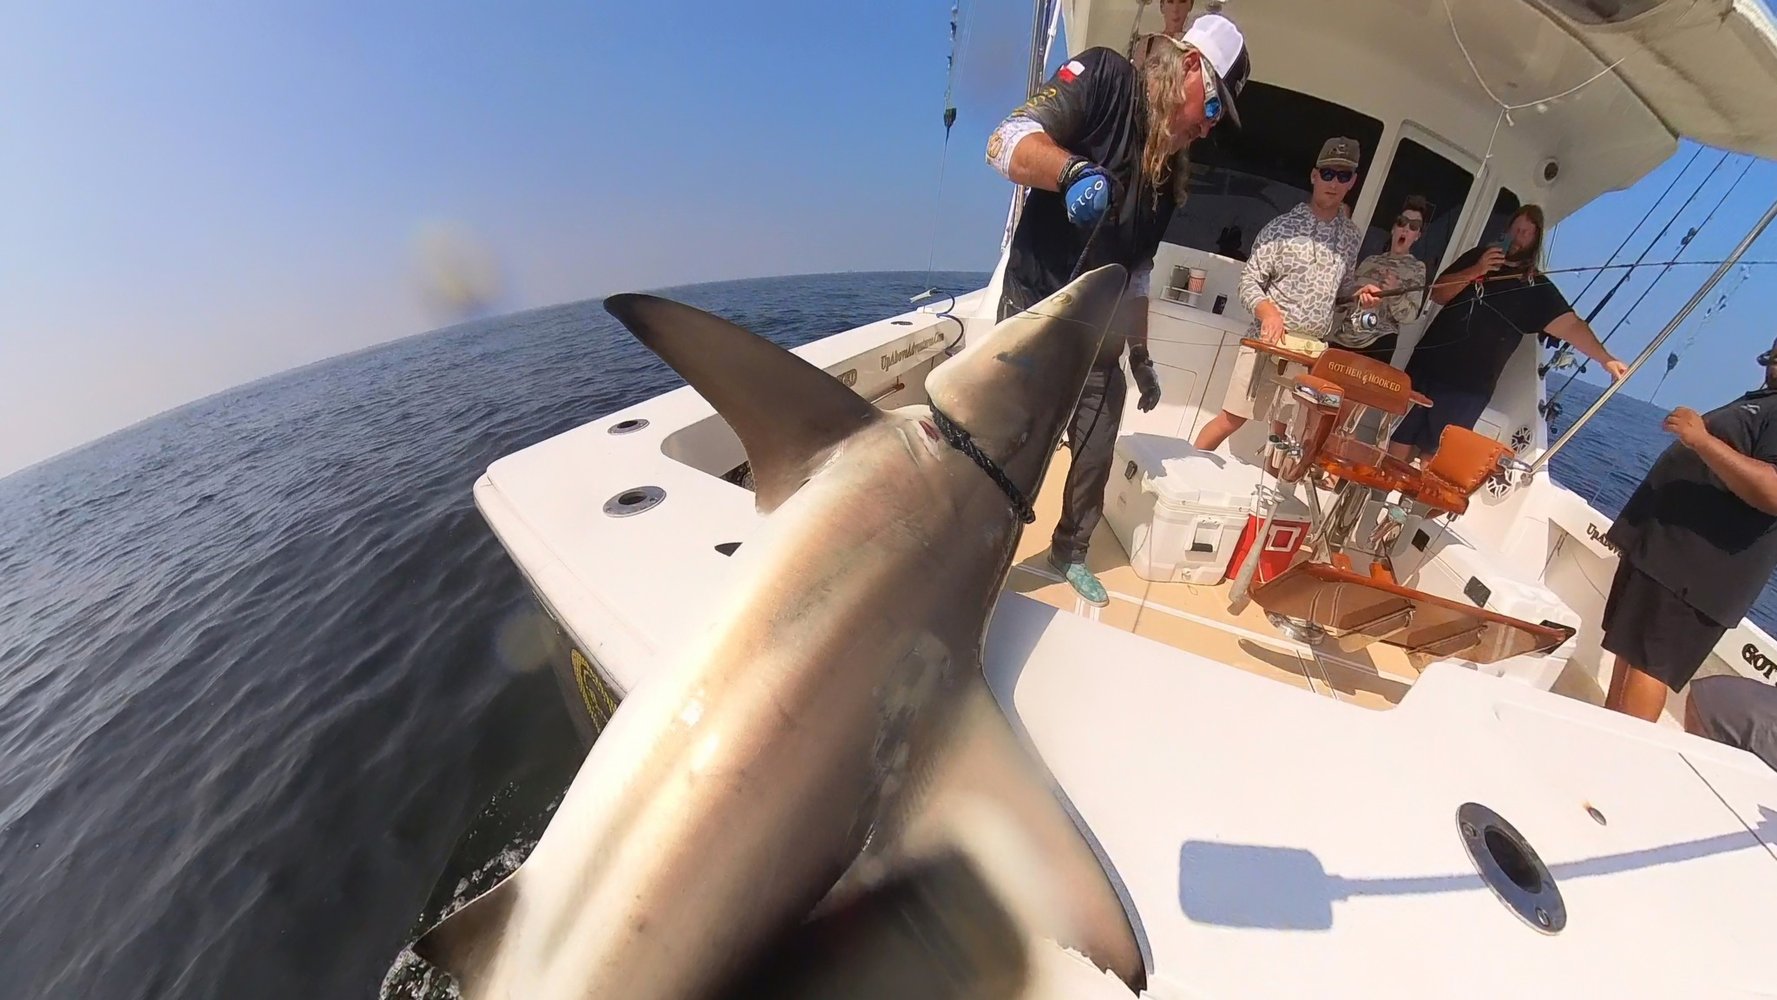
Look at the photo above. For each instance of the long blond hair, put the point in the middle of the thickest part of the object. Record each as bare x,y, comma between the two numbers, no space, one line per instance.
1164,69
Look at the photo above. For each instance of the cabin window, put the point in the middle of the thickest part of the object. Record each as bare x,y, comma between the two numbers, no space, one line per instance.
1603,11
1416,170
1242,178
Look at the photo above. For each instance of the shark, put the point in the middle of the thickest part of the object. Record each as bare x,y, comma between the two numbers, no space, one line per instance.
806,754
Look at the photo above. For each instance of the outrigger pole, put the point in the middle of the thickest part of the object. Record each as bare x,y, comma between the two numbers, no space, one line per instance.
1653,346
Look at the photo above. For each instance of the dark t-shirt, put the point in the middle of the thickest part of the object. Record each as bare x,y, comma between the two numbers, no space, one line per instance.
1094,106
1686,529
1468,344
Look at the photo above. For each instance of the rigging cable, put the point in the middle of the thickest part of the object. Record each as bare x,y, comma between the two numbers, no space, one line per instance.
1599,308
958,51
1715,309
1682,245
1505,110
1645,216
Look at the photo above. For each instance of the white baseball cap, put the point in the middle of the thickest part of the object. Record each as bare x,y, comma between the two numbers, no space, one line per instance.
1224,48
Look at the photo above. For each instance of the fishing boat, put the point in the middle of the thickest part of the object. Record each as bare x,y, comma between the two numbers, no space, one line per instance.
1303,775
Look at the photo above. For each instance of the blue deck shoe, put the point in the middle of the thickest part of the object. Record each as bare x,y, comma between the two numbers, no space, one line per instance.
1083,582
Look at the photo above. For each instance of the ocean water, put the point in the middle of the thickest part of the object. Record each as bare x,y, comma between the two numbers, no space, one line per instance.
271,696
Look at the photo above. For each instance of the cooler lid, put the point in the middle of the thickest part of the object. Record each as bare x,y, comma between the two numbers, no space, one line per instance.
1180,475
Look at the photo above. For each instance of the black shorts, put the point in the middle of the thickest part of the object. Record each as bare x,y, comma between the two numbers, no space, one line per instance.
1423,426
1381,349
1654,629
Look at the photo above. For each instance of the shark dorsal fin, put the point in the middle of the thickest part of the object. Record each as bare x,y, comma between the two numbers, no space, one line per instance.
787,413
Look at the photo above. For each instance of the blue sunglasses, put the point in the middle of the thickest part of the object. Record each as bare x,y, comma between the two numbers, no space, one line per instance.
1342,176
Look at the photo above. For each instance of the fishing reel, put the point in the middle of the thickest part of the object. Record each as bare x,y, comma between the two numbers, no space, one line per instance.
1358,329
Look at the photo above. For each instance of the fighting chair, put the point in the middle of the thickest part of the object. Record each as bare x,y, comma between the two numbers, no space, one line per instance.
1322,412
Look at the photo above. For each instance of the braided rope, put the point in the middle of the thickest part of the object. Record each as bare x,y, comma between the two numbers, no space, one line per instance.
959,439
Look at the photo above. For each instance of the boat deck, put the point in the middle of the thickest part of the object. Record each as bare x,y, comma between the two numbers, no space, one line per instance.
1198,619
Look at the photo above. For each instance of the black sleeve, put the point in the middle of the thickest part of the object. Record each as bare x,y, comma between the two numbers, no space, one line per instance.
1468,259
1074,98
1764,437
1547,304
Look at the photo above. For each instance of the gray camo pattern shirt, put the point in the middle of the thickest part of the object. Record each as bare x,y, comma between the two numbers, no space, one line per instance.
1301,264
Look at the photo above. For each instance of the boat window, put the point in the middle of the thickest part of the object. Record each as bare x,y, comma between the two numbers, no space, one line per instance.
1242,178
1603,11
1417,170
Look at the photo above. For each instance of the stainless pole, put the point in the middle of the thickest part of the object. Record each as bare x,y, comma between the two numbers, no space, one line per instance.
1039,55
1039,24
1672,325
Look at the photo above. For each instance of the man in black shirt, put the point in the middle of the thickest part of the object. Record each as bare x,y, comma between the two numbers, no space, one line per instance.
1697,541
1493,298
1099,148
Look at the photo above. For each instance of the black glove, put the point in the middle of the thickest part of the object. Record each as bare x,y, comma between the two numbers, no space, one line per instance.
1141,367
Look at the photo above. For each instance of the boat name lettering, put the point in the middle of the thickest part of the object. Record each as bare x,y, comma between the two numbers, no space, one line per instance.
1373,378
1594,534
1758,660
895,357
849,377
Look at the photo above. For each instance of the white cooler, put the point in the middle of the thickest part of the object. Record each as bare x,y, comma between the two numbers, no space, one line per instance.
1179,512
1458,571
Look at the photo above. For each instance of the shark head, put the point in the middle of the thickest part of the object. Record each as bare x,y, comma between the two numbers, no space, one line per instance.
1014,389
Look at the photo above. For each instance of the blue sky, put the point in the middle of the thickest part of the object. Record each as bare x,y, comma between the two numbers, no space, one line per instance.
201,194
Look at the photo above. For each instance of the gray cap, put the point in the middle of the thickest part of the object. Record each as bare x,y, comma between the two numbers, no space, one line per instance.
1339,151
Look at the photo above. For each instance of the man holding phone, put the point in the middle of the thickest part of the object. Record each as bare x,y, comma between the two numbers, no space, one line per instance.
1493,297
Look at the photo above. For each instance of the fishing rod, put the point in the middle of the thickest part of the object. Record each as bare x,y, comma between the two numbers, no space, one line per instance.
1672,325
1345,300
1682,243
1649,214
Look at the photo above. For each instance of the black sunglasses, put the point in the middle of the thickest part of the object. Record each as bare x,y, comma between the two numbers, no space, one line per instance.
1342,176
1413,224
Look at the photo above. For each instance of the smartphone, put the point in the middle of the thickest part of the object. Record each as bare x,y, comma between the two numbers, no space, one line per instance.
1505,243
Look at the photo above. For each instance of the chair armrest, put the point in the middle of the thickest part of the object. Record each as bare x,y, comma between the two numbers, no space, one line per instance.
1329,391
1279,351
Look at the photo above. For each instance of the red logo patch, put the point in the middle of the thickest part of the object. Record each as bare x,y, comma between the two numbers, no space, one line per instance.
1071,71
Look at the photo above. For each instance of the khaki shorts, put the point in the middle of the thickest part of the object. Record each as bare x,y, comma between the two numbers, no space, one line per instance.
1247,401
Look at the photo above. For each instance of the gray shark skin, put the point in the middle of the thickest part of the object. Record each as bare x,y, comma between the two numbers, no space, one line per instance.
828,700
961,920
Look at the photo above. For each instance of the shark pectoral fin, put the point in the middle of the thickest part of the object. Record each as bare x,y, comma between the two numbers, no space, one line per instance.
787,413
463,942
984,764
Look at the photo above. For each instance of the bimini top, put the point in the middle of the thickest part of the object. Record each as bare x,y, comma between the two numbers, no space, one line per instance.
1703,69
